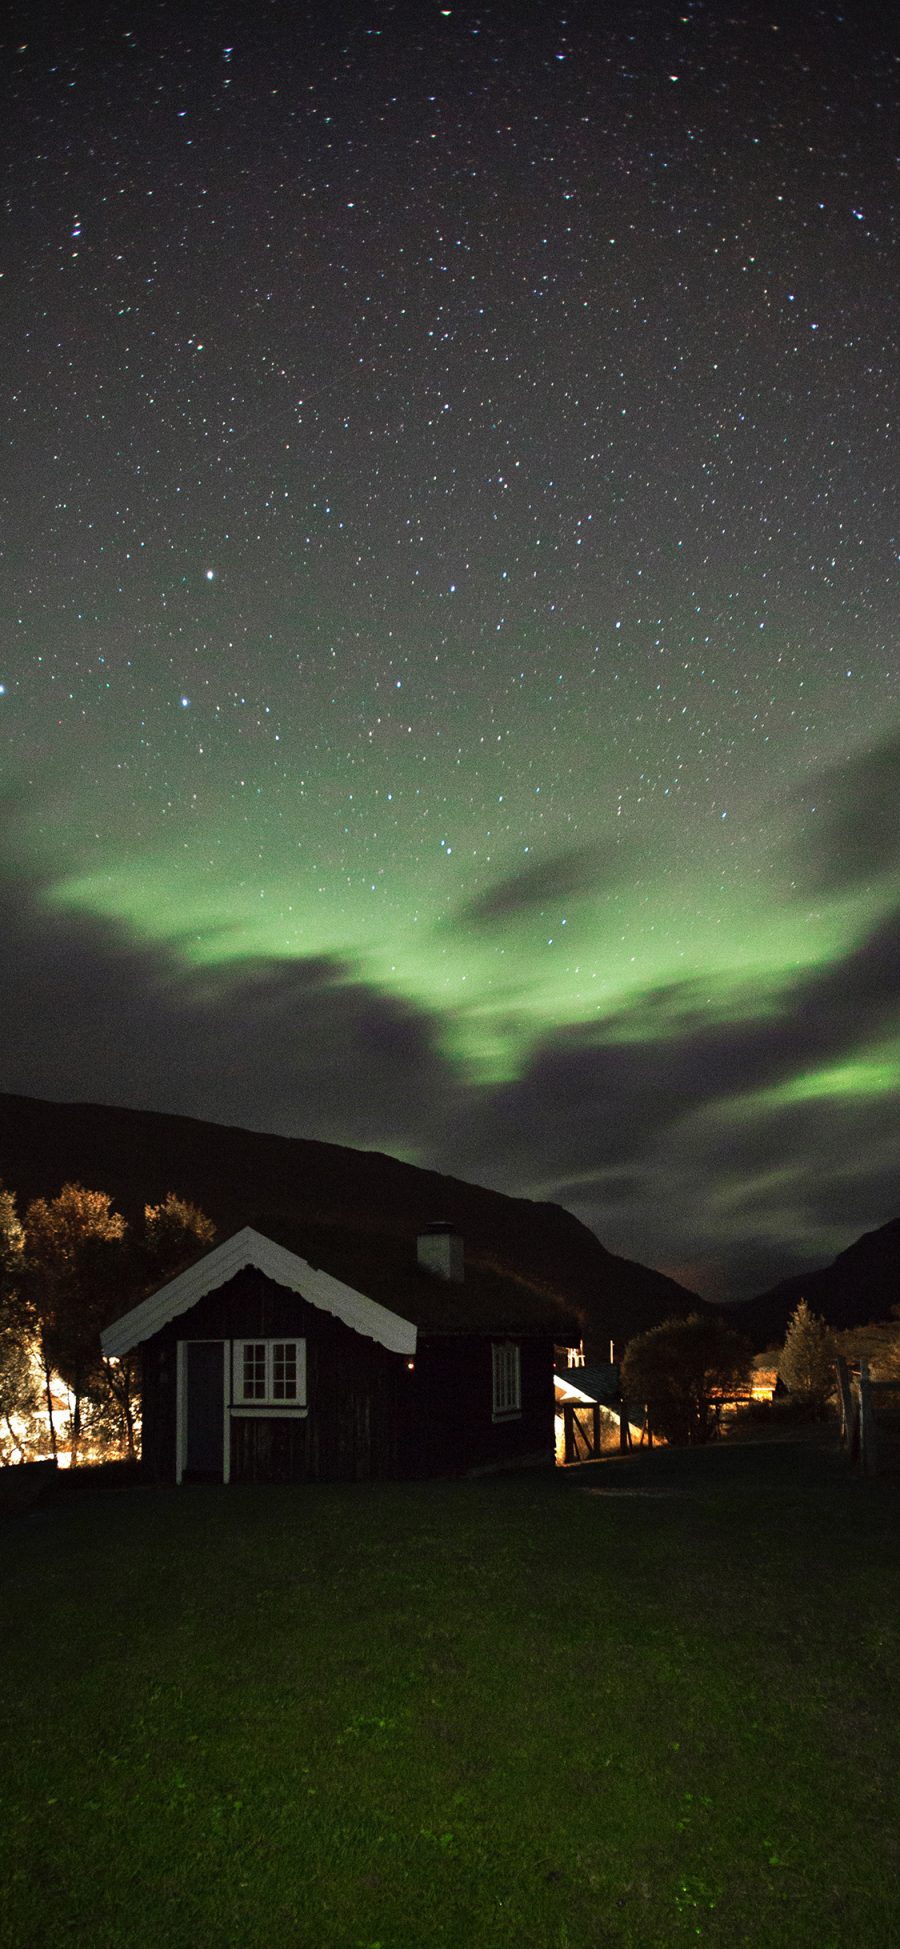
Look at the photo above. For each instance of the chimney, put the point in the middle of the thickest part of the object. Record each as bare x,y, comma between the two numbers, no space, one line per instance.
440,1249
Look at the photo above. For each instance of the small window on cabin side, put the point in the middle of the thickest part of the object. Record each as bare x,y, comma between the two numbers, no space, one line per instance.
507,1366
270,1373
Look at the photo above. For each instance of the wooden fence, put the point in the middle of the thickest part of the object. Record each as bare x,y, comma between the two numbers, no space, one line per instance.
583,1425
583,1429
860,1398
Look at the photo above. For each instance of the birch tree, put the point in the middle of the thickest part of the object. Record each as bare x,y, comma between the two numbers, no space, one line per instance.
73,1266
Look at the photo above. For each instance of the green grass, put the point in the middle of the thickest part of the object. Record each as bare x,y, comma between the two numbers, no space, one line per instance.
495,1712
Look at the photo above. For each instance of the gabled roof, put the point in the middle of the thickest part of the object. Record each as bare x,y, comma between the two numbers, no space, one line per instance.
588,1383
251,1248
490,1300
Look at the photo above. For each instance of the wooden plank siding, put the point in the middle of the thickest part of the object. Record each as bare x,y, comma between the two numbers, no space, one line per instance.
453,1428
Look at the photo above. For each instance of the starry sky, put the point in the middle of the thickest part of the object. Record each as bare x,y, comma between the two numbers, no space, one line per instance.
449,690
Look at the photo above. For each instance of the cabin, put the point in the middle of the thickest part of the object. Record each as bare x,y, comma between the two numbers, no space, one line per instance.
259,1366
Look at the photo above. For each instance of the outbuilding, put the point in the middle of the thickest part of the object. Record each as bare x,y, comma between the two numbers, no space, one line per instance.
258,1365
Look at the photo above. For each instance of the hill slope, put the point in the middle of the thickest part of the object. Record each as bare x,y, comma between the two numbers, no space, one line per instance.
329,1196
861,1284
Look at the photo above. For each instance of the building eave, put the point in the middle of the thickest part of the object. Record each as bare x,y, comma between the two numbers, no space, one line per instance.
251,1248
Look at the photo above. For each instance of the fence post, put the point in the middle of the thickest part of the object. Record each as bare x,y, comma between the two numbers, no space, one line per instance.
844,1389
568,1419
868,1433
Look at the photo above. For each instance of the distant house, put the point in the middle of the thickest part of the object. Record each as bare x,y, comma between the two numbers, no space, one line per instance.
259,1366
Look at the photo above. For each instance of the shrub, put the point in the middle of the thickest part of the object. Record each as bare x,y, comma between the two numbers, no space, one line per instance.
683,1370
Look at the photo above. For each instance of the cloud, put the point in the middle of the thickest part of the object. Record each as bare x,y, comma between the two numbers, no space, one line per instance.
851,822
677,1141
580,871
304,1047
669,1127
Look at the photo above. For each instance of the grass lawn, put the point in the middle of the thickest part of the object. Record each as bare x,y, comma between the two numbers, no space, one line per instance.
508,1711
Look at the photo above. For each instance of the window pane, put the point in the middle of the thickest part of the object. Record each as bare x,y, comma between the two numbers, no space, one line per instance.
284,1370
506,1378
253,1385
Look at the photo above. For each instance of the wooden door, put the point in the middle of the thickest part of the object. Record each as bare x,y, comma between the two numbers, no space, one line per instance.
205,1407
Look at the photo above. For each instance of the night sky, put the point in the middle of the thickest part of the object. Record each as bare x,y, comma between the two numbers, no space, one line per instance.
449,691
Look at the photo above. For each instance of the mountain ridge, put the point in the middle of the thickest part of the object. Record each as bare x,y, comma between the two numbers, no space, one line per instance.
333,1195
861,1285
337,1198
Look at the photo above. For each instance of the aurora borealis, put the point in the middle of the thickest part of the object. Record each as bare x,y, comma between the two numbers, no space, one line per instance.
450,696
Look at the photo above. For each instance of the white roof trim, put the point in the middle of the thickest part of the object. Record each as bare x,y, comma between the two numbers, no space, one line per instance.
286,1268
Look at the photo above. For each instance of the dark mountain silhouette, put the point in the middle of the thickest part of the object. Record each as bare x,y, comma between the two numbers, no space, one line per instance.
861,1285
339,1207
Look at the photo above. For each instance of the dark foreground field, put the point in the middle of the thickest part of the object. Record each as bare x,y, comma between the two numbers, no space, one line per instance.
648,1703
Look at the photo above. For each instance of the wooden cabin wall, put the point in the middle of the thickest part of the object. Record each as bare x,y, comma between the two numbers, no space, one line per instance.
351,1431
158,1410
368,1416
449,1423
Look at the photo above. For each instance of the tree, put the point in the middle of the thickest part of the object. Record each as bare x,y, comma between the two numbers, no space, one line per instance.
682,1370
19,1391
175,1233
73,1254
64,1274
20,1395
807,1358
12,1243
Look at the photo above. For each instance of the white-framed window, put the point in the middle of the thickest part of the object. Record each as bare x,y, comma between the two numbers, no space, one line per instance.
507,1366
270,1373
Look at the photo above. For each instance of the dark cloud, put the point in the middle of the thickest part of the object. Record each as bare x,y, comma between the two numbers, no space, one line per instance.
616,1187
674,1142
300,1047
851,822
667,1127
568,875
